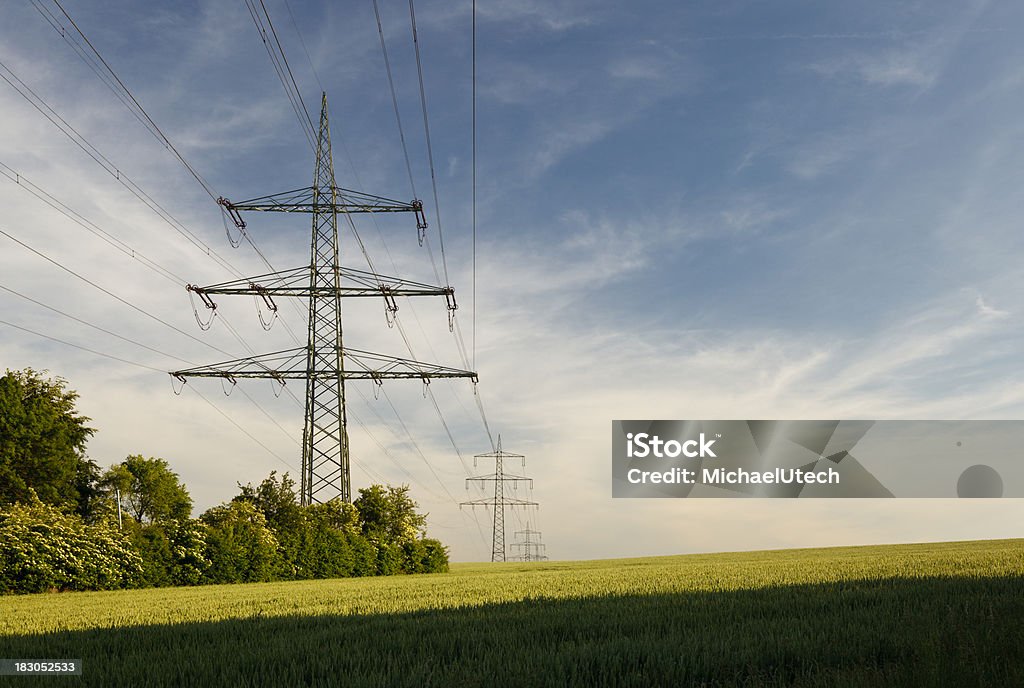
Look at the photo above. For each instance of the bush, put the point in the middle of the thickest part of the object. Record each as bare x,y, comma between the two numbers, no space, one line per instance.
155,549
389,558
173,553
189,562
435,558
42,549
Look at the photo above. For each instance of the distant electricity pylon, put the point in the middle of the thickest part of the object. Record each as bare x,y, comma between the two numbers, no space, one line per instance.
324,364
499,501
531,547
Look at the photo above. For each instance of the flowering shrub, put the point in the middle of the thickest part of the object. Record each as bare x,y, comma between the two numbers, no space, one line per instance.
42,548
173,553
45,549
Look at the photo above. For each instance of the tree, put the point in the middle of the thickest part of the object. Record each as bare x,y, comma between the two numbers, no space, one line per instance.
42,443
315,541
150,490
239,545
173,553
435,559
276,499
388,515
332,545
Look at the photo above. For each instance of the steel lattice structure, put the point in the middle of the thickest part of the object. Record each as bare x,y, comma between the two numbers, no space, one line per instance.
531,547
499,501
324,363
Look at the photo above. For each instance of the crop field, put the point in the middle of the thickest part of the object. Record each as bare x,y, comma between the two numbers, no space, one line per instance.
930,614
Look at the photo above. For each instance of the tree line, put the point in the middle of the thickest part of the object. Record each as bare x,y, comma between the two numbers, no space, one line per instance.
65,524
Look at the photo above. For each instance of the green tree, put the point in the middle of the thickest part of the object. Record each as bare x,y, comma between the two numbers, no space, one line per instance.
332,545
173,553
387,515
276,499
42,443
239,545
435,557
150,491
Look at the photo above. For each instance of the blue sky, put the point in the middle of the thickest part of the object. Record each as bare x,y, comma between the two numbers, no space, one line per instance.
686,210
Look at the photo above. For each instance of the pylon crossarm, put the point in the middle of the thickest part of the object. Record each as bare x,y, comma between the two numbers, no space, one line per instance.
280,365
305,200
364,365
527,532
296,282
507,501
499,455
291,365
504,476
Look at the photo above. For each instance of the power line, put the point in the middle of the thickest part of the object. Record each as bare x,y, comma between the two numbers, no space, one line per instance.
284,59
95,61
113,241
386,451
145,367
126,97
61,207
108,292
134,363
89,324
243,430
283,70
460,344
131,103
426,132
303,43
417,448
394,97
82,348
39,104
89,226
433,179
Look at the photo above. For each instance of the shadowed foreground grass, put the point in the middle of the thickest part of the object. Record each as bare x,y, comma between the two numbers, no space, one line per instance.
949,614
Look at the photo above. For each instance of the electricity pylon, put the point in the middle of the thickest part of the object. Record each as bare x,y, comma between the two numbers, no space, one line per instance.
324,363
531,548
499,501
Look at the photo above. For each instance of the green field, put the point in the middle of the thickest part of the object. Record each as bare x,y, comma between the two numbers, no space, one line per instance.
932,614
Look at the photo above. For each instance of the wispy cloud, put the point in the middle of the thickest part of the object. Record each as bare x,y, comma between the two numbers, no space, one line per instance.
556,16
918,68
917,61
989,311
566,116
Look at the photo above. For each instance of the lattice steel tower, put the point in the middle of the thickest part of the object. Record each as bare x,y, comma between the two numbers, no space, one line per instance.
531,547
324,363
499,501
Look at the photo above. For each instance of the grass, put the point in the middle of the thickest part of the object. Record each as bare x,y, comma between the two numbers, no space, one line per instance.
932,614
